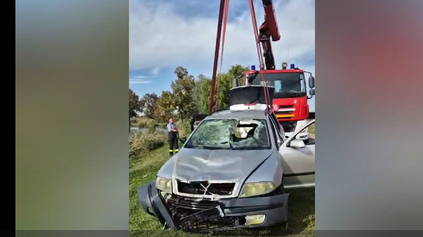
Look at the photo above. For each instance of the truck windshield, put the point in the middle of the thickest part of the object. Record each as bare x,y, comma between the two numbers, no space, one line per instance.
234,134
287,84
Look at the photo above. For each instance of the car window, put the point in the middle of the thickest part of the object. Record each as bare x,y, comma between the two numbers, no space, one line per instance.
230,134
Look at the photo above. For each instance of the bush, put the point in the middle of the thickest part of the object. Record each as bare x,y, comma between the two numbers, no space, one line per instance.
140,143
142,123
162,125
145,122
184,128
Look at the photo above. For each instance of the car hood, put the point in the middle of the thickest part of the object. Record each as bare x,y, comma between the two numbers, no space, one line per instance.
217,165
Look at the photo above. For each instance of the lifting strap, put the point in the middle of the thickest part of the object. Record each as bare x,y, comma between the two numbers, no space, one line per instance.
223,18
216,54
259,53
256,35
225,22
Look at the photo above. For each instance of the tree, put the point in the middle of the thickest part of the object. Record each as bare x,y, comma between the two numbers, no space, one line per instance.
181,72
237,71
224,82
197,95
205,95
134,105
166,106
148,104
223,85
183,90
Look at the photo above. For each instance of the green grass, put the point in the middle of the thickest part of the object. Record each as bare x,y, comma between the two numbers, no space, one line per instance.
143,170
312,129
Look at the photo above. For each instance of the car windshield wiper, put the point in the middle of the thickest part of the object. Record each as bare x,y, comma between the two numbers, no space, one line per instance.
214,147
189,146
250,148
228,142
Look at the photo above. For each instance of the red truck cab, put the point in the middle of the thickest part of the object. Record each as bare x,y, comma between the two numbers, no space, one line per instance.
290,98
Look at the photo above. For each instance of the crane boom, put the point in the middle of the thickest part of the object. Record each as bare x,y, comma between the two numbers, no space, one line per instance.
268,31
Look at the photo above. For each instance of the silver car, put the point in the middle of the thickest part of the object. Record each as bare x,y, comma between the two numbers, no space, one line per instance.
231,173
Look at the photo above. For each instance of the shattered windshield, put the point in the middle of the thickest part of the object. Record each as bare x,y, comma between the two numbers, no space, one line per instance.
230,134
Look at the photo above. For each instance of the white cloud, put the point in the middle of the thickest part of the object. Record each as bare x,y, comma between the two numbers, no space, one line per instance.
155,71
160,38
140,79
139,82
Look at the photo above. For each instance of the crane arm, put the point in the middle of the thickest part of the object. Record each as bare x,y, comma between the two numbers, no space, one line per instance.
268,32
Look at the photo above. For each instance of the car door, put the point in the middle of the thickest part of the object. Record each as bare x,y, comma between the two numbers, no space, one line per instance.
298,159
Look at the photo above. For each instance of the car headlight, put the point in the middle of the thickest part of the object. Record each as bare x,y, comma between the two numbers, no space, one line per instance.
164,184
256,189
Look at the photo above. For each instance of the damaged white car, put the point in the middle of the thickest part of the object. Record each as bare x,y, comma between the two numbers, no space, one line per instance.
232,171
223,180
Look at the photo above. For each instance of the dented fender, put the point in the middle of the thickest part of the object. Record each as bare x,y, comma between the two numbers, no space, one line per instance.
152,204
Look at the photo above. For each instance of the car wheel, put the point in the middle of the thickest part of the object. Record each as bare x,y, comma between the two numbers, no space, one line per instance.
286,226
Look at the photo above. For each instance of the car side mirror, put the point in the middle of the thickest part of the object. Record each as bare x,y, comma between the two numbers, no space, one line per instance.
183,139
311,82
312,91
297,143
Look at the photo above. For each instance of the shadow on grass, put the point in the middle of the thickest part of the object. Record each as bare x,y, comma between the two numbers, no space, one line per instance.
301,210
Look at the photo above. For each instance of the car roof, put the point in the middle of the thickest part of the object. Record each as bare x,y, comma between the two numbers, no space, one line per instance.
246,114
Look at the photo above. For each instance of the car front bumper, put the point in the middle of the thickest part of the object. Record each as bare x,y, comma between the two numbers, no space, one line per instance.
275,209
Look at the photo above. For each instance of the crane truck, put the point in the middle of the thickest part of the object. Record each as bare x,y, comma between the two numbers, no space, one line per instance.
290,99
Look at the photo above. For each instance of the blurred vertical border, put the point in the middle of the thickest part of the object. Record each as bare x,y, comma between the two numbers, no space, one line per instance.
369,55
72,61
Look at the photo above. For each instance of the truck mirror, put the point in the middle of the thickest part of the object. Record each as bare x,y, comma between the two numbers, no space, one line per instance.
312,91
235,82
251,77
311,82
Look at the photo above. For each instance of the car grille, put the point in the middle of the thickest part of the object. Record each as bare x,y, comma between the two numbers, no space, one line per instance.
198,216
288,108
190,204
198,188
286,113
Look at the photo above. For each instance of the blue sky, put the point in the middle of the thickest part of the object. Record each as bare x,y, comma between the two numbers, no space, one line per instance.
167,33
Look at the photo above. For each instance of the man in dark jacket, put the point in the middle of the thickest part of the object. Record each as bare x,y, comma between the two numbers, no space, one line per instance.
173,137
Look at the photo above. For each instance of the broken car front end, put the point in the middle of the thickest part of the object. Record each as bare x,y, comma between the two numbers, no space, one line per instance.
213,206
